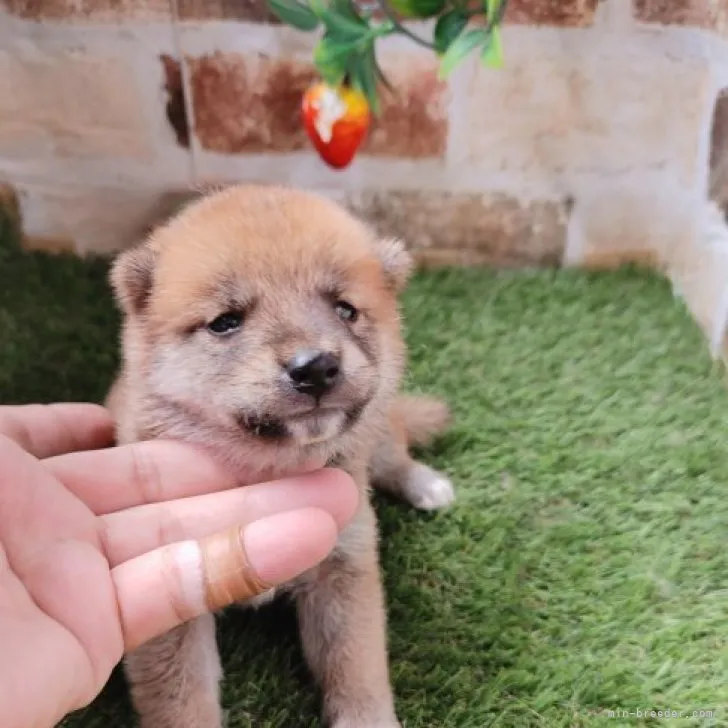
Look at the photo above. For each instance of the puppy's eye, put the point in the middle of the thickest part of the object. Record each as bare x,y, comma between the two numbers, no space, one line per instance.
346,311
225,323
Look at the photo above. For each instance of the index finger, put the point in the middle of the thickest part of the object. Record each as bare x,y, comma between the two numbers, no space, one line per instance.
146,472
45,430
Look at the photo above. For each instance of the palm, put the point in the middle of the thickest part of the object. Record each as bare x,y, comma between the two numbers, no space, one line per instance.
56,593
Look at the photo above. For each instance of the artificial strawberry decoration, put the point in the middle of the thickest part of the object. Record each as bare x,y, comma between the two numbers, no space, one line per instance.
336,119
336,111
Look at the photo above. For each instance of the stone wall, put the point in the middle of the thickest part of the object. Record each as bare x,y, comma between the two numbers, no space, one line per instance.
598,143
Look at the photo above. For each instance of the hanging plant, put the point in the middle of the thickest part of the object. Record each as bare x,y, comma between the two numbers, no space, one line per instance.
337,110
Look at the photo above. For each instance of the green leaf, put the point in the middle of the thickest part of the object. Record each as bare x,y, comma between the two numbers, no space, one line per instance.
294,13
363,76
448,27
344,27
492,54
426,8
332,48
371,79
332,59
461,47
317,7
347,9
340,22
491,8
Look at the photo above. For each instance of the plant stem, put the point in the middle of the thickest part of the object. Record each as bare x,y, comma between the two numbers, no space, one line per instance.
384,5
492,22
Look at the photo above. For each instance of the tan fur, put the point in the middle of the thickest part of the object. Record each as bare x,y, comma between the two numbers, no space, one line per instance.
419,420
282,258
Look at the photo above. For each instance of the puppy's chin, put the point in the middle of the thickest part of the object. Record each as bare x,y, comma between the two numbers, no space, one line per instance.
301,430
316,428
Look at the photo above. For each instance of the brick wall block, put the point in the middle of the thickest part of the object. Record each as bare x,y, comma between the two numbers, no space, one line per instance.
712,14
252,11
89,219
561,13
497,229
175,106
594,103
638,219
248,103
413,120
70,104
90,11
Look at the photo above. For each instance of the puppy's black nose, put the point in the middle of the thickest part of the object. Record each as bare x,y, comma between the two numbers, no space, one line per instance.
314,372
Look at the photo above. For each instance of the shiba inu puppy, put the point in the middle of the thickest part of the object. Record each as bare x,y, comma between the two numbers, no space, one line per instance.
262,323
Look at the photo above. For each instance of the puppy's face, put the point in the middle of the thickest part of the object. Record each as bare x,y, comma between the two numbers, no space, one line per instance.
268,312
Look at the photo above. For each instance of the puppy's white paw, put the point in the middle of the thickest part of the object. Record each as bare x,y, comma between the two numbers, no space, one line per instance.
429,490
437,494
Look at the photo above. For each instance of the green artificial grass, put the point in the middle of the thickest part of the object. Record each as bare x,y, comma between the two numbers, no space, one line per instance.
584,567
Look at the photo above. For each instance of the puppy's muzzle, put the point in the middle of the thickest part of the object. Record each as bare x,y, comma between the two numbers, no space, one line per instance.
314,372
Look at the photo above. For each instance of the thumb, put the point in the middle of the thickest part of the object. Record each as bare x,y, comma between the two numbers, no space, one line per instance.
173,584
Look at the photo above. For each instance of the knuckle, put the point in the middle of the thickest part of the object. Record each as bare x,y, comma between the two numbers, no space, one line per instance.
169,527
173,586
16,429
146,476
67,434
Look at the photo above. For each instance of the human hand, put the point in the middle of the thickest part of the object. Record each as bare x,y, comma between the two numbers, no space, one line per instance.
104,549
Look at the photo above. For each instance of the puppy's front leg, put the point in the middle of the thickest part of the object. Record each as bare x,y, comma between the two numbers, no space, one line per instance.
174,678
343,629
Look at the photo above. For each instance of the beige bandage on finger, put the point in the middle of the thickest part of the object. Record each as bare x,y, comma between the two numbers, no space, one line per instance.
163,588
227,574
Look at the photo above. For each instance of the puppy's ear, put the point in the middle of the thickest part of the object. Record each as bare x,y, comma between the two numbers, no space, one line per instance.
132,276
397,261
